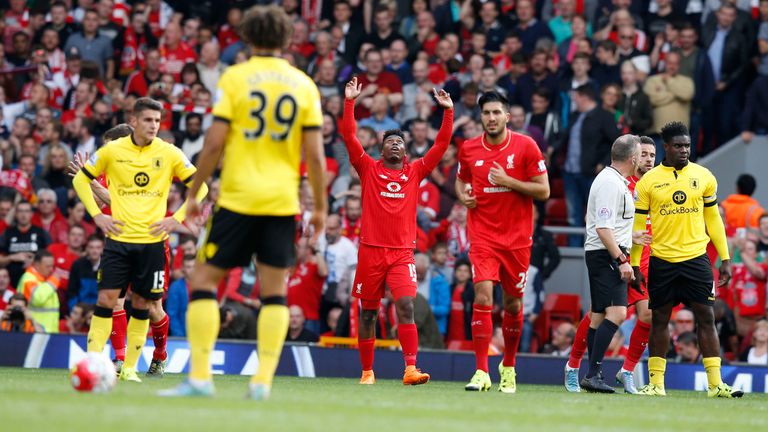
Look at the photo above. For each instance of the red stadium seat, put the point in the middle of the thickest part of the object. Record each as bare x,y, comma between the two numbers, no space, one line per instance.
563,307
556,212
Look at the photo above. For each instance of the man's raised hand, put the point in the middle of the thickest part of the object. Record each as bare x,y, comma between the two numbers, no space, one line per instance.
353,89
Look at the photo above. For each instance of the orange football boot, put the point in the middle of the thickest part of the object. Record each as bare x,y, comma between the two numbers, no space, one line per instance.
368,378
413,376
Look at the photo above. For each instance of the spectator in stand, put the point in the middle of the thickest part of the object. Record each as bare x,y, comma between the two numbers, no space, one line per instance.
438,291
351,30
607,68
93,46
332,322
562,339
741,210
563,22
75,217
6,290
178,298
670,94
83,274
385,33
54,170
419,143
305,285
28,164
379,120
687,347
609,97
748,284
728,53
578,35
341,256
754,120
530,29
300,43
78,321
579,76
399,62
17,318
537,77
440,264
460,316
137,40
237,322
20,242
545,119
682,322
210,66
64,256
296,330
627,49
7,216
757,353
545,255
38,284
139,82
586,145
762,237
192,138
324,51
725,323
634,105
175,53
59,22
517,124
377,81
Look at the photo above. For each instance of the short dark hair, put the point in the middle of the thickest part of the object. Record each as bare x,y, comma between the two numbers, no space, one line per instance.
746,184
607,45
543,93
192,116
371,51
581,56
39,255
586,90
189,257
688,338
119,131
390,132
518,58
672,130
94,237
493,96
644,139
266,27
146,103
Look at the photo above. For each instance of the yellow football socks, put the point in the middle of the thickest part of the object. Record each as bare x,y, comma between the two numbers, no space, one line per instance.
202,330
656,368
137,337
101,328
712,366
272,329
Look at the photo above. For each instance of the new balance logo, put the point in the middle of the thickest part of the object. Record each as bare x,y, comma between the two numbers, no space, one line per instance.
479,163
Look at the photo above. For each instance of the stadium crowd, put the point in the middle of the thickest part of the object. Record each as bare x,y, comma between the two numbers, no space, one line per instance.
578,73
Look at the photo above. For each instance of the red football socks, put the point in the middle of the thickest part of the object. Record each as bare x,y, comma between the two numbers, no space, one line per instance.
365,347
118,336
160,337
579,343
482,330
409,341
637,343
512,329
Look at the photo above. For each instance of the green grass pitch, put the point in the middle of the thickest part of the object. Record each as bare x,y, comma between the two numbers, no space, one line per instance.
42,400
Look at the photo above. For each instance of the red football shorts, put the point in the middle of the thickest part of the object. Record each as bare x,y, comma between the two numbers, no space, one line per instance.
632,295
377,265
510,267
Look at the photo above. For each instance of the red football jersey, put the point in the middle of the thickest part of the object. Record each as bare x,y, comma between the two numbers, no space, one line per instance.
645,259
503,218
429,198
305,287
175,59
750,291
390,196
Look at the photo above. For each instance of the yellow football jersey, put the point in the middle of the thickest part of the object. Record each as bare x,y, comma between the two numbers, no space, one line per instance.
268,104
675,201
138,179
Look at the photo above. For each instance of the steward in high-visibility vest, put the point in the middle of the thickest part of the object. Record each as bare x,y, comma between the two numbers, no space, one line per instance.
39,288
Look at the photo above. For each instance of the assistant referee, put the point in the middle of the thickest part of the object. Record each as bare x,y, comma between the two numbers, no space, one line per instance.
610,211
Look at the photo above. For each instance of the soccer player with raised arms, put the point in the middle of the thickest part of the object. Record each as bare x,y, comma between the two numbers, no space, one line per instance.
390,196
140,169
266,113
500,174
681,199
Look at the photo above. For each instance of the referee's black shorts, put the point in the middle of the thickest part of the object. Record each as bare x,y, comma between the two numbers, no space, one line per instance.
685,282
606,287
138,265
234,238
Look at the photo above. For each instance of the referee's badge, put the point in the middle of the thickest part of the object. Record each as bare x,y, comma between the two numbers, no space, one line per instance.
605,213
694,183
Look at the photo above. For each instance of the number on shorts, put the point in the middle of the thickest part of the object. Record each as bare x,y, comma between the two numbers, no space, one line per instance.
159,282
412,271
523,279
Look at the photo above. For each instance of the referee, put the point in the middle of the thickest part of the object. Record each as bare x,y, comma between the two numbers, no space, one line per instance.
610,212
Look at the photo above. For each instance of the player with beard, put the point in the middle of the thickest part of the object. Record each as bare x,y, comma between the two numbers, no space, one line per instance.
390,196
637,295
500,174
